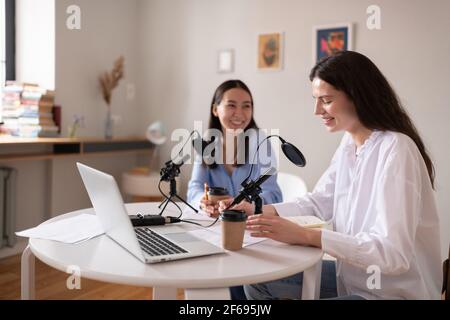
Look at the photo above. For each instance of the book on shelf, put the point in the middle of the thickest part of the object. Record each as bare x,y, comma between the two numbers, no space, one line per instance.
37,121
57,117
28,110
43,103
34,131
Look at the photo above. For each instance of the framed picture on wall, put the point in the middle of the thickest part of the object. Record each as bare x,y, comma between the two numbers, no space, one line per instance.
330,39
270,51
225,61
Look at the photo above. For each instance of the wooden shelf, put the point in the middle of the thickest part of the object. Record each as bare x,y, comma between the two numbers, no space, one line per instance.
12,148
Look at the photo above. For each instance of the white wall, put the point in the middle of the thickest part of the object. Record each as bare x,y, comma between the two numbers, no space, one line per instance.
179,41
108,30
51,187
35,42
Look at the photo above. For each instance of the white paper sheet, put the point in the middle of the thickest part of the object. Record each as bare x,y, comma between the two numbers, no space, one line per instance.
71,230
189,214
214,235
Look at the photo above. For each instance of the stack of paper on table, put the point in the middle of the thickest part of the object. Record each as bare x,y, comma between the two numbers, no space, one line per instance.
71,230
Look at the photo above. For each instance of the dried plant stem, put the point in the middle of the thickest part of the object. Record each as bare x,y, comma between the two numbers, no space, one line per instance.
110,80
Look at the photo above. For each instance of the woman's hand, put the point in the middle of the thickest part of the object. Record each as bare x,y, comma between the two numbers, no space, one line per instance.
212,208
247,207
283,230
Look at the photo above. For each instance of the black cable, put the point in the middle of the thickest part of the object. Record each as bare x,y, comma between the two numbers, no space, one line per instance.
257,149
179,209
199,224
187,140
160,190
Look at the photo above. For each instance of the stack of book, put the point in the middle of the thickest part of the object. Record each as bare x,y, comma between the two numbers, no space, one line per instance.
10,110
28,111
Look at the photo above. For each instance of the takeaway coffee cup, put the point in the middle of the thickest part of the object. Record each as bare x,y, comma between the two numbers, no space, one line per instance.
215,194
233,229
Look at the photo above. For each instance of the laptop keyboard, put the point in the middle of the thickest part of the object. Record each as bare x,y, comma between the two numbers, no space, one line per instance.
156,245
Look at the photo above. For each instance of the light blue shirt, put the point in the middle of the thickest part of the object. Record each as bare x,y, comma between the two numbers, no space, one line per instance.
219,177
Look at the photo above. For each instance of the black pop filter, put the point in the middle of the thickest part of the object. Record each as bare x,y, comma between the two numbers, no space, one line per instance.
293,154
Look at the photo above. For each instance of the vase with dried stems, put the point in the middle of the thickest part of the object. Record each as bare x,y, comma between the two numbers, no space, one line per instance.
109,81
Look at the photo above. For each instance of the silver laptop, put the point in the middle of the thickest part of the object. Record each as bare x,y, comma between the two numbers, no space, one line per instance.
148,244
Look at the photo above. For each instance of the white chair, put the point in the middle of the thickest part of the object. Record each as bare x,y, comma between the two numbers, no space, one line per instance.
291,186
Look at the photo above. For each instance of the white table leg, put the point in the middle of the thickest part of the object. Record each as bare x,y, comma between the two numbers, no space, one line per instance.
27,274
207,294
160,293
311,282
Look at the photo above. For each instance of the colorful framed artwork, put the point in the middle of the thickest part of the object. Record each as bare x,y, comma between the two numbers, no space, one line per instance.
330,39
270,51
225,61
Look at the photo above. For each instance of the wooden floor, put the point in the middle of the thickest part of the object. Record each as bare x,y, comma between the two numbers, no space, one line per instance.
51,285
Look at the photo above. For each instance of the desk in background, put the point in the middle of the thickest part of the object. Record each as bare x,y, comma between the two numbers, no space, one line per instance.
15,148
48,183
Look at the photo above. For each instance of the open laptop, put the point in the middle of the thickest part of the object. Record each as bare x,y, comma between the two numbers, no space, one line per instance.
148,244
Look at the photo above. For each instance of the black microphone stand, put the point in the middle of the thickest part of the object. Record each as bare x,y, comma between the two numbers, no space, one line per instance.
168,174
173,194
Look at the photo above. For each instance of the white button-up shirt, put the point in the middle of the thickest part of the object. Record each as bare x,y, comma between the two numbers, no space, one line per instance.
381,204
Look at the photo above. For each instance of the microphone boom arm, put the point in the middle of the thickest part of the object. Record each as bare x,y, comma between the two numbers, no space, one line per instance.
251,189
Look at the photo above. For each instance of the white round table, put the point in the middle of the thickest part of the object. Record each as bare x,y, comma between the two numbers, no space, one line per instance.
207,277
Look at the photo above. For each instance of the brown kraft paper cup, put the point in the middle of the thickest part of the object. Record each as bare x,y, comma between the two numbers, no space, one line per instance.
216,199
217,194
233,229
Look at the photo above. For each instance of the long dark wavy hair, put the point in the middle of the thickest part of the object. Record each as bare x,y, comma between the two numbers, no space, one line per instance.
214,122
377,105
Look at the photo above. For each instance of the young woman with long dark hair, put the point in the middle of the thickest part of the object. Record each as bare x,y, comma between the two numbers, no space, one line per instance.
231,115
377,193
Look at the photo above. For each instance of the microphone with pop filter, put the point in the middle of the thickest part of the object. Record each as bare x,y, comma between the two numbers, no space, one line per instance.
292,153
251,189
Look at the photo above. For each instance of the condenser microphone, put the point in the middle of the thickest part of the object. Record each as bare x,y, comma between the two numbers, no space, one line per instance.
172,168
250,190
250,187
